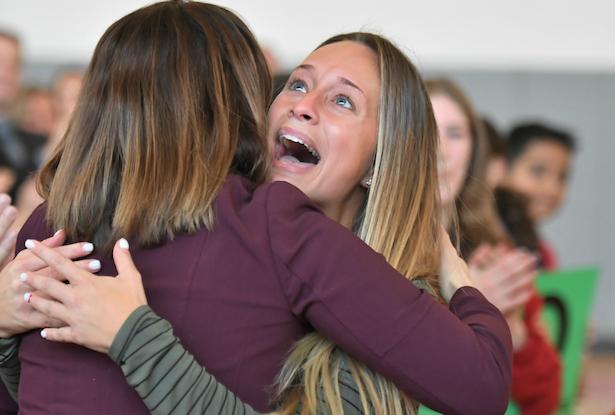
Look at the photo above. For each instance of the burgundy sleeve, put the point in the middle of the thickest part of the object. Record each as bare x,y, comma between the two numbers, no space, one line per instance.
456,362
536,368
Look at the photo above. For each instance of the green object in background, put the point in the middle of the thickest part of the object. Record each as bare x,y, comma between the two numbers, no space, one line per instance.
568,298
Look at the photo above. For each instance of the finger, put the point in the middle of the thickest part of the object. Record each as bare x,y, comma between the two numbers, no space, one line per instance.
61,334
523,281
50,308
90,265
7,245
36,319
56,240
31,262
5,201
123,259
513,263
7,217
480,255
49,286
57,261
516,301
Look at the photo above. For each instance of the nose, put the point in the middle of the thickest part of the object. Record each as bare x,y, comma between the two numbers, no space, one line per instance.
305,108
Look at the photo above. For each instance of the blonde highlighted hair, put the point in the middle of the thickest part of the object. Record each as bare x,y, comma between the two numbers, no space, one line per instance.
400,219
174,99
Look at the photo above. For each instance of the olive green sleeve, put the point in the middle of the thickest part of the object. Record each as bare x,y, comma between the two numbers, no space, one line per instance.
164,374
9,364
171,381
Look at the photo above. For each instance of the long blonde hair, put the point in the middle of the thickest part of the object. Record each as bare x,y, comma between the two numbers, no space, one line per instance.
399,219
174,99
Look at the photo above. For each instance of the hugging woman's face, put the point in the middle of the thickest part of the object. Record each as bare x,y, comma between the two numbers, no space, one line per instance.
324,127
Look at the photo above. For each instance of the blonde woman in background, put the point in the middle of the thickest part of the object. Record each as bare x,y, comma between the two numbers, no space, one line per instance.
503,272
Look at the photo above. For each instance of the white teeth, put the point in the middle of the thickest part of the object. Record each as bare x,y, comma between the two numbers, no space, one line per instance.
300,141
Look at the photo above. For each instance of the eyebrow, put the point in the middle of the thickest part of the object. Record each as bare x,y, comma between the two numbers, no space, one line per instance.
341,79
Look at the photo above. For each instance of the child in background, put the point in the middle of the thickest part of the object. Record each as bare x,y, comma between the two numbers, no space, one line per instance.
539,158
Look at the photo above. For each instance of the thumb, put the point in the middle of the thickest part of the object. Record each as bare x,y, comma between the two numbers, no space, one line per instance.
123,259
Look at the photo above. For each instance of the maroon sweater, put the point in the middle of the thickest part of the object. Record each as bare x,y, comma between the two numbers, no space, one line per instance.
273,269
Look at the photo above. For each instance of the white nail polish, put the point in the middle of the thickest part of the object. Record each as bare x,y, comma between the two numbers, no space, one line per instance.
23,277
88,247
94,265
124,243
57,232
43,334
26,297
29,244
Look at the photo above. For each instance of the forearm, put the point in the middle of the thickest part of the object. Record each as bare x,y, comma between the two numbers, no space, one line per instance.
10,367
164,374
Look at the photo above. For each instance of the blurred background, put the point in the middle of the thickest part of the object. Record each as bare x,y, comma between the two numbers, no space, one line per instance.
551,61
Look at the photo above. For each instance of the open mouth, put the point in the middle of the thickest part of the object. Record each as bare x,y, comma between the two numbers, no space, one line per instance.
294,150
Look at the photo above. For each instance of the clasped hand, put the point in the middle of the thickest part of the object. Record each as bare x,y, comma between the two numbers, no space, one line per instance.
91,308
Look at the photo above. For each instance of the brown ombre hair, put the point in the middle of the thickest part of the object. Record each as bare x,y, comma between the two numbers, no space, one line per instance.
174,100
475,211
400,220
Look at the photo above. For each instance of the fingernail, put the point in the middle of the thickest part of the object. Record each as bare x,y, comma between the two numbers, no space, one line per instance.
27,297
94,265
124,243
57,232
29,244
4,198
23,277
43,334
88,247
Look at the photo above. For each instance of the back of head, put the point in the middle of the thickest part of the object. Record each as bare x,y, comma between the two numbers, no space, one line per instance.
478,221
523,135
173,100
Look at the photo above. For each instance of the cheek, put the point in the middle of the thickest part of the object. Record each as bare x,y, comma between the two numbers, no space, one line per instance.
460,152
349,159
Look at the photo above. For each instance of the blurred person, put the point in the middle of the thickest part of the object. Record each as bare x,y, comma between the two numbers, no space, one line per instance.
20,148
65,93
539,161
33,112
503,270
122,189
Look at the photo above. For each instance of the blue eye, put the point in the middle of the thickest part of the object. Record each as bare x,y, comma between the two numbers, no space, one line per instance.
343,101
297,85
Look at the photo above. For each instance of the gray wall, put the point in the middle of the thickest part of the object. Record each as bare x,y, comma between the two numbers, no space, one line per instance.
583,231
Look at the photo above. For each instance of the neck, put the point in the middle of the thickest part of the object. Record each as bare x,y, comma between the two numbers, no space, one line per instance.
345,211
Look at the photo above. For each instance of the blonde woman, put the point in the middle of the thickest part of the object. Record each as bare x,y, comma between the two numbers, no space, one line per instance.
241,318
503,272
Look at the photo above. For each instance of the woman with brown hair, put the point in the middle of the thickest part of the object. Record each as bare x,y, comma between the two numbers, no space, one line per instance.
271,268
502,271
